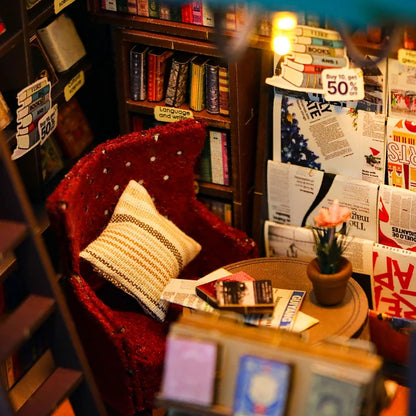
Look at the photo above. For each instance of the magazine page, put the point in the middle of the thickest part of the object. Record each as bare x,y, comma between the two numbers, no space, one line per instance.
282,240
329,137
401,87
291,241
295,195
394,281
397,217
297,242
401,152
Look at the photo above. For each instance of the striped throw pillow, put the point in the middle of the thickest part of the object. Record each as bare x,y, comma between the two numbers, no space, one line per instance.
140,250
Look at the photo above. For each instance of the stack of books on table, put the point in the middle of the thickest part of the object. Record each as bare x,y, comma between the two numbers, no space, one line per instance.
256,301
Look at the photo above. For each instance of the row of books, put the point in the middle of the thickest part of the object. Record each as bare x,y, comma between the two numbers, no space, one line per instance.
41,366
221,209
158,74
73,134
16,366
313,50
197,12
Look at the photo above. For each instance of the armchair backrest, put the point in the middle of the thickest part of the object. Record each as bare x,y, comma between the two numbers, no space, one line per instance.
162,159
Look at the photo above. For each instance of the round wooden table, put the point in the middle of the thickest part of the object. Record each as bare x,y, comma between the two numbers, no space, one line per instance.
346,319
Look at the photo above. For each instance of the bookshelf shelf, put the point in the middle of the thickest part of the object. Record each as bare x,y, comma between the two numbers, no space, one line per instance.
39,15
10,42
12,233
215,190
148,108
50,394
34,309
7,265
23,322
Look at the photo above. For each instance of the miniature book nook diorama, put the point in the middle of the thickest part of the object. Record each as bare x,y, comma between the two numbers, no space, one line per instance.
210,208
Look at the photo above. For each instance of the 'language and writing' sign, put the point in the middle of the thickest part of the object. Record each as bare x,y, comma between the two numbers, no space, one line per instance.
170,114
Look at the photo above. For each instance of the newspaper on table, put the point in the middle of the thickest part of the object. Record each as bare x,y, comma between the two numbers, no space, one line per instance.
286,313
295,195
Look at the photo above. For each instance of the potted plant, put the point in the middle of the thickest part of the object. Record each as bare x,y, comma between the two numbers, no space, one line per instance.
330,271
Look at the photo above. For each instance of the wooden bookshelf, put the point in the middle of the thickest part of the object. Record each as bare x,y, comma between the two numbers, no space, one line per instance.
25,260
244,83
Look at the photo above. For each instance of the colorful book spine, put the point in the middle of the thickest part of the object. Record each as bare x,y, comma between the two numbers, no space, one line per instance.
318,50
110,5
230,17
197,83
317,32
205,162
2,26
138,78
314,59
154,9
122,6
164,11
219,157
186,13
331,43
307,68
143,8
178,80
132,6
223,90
212,102
225,159
157,64
207,15
301,79
197,12
151,75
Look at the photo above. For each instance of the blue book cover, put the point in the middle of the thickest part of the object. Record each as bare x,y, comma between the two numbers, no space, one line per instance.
262,387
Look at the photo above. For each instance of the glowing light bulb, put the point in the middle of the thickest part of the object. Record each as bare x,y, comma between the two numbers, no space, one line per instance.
284,24
281,45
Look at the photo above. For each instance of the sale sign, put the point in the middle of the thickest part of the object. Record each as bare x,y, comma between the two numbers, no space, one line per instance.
35,118
343,84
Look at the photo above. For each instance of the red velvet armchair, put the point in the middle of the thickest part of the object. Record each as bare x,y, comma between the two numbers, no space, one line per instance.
125,347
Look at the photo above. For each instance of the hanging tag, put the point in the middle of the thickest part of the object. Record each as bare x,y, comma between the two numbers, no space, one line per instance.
343,84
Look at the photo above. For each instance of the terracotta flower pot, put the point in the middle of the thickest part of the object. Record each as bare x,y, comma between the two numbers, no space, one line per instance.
329,289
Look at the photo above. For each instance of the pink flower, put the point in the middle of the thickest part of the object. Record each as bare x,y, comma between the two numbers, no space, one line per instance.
333,216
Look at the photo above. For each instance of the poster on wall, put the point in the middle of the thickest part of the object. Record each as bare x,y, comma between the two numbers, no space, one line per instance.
394,281
312,50
328,137
401,153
